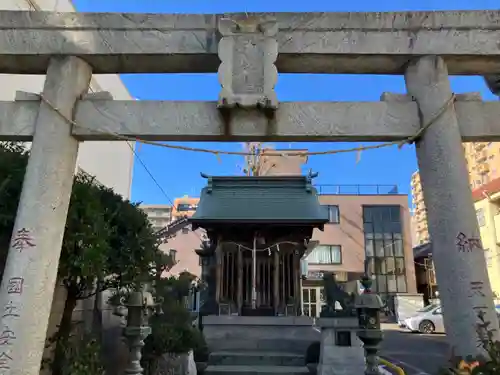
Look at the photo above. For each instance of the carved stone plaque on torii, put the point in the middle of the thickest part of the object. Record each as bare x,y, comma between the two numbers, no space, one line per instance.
247,51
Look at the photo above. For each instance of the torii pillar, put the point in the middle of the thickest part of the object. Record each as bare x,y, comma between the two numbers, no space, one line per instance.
31,269
461,272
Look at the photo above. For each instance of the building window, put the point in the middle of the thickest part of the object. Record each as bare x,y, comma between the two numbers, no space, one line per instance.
325,254
333,214
480,217
173,254
384,248
186,207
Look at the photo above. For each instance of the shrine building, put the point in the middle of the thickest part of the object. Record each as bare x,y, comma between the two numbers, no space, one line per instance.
258,229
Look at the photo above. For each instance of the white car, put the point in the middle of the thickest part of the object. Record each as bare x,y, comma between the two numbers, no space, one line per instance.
430,320
427,320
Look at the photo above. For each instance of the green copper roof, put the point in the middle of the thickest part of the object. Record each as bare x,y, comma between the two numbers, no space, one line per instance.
267,199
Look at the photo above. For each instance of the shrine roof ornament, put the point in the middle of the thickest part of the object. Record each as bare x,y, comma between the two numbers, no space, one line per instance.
277,200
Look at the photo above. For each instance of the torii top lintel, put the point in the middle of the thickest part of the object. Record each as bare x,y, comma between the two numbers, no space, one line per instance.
357,43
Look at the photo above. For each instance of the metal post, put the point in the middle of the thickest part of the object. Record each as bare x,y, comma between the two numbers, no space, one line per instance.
254,273
240,280
457,251
31,269
276,280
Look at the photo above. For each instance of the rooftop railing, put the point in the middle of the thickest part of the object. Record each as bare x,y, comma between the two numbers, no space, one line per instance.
357,189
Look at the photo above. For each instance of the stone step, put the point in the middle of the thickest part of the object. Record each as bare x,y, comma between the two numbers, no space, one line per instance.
256,358
273,345
256,370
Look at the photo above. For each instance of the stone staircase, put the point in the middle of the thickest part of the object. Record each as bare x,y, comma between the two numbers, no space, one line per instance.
255,363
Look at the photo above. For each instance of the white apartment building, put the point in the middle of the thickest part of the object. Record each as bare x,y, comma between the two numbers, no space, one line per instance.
110,162
160,215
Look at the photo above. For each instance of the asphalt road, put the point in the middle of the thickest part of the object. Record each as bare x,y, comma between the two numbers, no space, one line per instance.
417,354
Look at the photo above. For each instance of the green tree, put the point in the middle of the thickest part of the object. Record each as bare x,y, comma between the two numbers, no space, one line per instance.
172,331
13,159
108,241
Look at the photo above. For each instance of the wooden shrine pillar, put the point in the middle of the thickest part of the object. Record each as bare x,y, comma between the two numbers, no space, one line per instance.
240,281
276,281
296,280
218,274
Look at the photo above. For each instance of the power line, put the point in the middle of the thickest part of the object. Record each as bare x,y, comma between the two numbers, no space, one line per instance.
136,155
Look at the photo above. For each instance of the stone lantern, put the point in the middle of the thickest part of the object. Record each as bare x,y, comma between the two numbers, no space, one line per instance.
140,306
368,306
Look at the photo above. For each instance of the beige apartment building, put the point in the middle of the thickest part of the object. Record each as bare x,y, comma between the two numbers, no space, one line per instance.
483,162
282,164
371,228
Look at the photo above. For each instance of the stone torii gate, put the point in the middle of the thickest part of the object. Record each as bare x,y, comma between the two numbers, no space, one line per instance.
247,51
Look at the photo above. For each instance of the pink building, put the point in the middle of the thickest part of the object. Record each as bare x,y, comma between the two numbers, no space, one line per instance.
182,247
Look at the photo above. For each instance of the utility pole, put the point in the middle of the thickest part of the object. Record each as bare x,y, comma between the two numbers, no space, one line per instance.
254,161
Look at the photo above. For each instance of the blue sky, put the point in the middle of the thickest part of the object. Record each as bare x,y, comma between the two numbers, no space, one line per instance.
178,172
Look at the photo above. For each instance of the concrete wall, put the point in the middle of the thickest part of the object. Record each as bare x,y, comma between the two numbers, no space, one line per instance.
349,233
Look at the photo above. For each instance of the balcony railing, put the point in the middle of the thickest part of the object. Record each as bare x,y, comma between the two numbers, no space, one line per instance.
357,189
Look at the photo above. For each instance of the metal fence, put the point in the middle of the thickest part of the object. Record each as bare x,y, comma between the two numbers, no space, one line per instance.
357,189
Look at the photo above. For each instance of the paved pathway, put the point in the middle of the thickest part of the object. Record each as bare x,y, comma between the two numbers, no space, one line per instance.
417,354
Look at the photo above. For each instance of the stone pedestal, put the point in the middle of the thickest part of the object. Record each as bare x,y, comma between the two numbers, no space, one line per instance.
341,350
277,334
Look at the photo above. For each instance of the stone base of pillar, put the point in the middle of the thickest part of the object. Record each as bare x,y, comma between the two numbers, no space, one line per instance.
341,349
